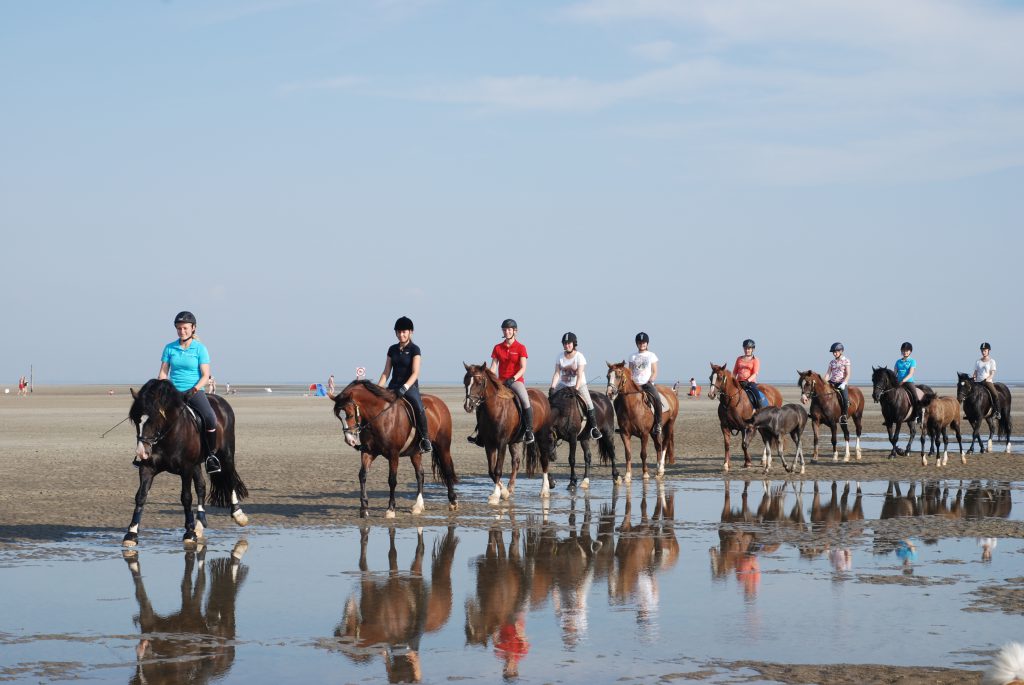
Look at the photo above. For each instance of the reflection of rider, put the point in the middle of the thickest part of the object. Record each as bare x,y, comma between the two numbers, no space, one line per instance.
508,360
403,365
838,376
985,372
746,369
186,362
570,372
905,367
644,367
511,645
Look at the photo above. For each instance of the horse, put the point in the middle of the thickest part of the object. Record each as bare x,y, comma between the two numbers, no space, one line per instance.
500,428
570,424
824,408
376,424
734,406
636,419
940,414
896,407
167,439
977,404
773,423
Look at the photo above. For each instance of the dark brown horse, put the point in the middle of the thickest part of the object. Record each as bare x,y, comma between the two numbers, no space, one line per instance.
734,407
377,424
894,400
825,409
636,418
569,423
977,403
941,414
167,439
501,428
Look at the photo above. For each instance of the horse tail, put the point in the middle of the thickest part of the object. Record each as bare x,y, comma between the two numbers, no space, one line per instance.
606,446
443,469
927,395
532,458
224,483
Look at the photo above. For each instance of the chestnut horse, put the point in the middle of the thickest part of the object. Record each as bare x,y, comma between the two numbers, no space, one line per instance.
940,414
896,407
825,409
734,407
376,424
636,419
977,405
500,428
569,423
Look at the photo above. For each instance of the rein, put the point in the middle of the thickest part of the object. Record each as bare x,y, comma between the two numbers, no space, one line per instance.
162,434
360,424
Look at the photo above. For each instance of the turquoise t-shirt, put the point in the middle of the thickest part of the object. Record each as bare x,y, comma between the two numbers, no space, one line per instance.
903,367
184,363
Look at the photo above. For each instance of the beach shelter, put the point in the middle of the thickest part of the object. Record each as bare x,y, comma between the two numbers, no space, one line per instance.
317,390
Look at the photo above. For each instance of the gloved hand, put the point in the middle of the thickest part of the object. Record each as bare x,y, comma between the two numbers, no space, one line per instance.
190,393
401,391
551,392
509,382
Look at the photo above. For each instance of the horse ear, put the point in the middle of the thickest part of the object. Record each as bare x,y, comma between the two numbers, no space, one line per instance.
135,395
610,365
466,365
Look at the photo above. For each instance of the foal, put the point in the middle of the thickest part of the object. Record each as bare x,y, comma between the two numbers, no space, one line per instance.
774,422
940,414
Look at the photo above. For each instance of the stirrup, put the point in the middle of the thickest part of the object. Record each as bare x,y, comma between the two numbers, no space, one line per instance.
212,464
137,463
842,419
425,445
595,433
528,436
472,439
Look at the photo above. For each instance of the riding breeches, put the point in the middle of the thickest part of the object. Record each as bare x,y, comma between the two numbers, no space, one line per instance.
584,392
844,396
520,390
413,395
751,385
993,393
655,396
200,403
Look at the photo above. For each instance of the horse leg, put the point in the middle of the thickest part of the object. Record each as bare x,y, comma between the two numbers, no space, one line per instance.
959,440
585,483
572,464
726,438
417,465
514,453
661,444
846,439
945,445
991,430
392,484
200,485
146,475
835,442
798,439
364,500
643,454
815,424
190,537
628,458
858,423
975,437
894,438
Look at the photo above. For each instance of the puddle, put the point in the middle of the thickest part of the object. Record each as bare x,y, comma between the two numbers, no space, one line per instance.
638,582
880,441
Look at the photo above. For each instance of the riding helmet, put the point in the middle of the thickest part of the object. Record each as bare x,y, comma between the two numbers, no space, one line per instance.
185,317
986,346
642,337
570,337
906,346
836,347
404,323
748,343
510,323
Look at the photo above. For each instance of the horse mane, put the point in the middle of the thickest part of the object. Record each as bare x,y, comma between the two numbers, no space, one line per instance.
889,374
371,387
154,395
627,377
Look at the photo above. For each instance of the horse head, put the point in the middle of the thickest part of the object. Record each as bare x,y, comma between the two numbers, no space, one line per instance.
617,376
807,381
964,386
883,379
717,380
353,403
476,380
154,409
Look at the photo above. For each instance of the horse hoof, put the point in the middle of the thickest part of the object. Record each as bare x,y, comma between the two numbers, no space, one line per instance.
453,506
963,458
130,540
364,514
240,518
199,529
493,499
725,466
389,514
585,484
239,550
646,476
189,538
803,470
416,511
572,486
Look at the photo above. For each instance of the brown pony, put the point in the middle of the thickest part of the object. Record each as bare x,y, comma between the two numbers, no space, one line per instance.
377,424
636,419
500,427
941,414
825,409
734,406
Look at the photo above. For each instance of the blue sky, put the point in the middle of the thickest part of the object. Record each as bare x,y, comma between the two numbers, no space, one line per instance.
299,174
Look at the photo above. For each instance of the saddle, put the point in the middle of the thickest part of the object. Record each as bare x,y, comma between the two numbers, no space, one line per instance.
757,399
648,403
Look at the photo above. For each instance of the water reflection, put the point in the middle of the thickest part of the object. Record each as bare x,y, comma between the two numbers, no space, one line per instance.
389,615
196,643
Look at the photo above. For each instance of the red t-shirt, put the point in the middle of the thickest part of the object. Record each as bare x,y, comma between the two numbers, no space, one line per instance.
508,357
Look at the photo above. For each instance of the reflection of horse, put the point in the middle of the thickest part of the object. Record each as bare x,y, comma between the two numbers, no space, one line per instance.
941,413
376,423
825,409
896,406
167,439
977,405
393,612
734,406
738,546
636,419
500,427
569,423
193,644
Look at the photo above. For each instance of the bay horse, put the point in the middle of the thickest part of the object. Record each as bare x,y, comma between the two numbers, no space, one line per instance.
940,414
376,423
734,407
569,423
167,439
636,419
501,428
825,409
977,404
896,407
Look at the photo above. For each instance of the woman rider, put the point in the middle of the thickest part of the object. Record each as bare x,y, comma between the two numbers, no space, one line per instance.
403,365
905,367
508,360
570,372
985,372
643,365
186,363
838,376
746,369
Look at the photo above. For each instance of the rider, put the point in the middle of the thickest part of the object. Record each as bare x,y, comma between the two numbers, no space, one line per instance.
403,365
838,376
186,362
905,367
985,372
570,372
746,369
508,360
644,367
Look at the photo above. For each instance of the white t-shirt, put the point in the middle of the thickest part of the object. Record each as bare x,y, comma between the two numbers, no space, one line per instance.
640,365
569,369
985,370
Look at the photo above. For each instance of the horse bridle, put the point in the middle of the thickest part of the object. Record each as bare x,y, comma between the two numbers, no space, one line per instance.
618,382
360,424
162,434
721,389
475,400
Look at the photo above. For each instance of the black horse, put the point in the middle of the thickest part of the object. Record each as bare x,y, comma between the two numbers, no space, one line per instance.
167,439
568,423
977,404
896,407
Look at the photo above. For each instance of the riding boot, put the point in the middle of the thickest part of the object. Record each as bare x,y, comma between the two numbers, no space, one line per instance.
996,414
592,421
212,462
421,430
916,403
473,437
844,404
652,392
528,425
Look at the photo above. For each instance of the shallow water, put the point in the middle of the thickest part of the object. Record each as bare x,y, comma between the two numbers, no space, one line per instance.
639,584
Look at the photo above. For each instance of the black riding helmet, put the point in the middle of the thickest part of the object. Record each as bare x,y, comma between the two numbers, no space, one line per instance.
185,317
642,337
836,347
510,323
986,346
570,337
906,346
748,343
404,323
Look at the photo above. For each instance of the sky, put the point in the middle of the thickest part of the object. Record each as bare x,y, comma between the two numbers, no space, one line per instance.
299,174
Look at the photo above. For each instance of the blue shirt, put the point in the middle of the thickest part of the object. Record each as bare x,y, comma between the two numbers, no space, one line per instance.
184,363
903,367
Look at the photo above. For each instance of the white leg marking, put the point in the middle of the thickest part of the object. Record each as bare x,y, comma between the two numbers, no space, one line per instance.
496,495
417,508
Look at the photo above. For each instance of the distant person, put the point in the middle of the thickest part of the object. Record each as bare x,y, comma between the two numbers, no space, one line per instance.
403,365
212,389
643,365
570,372
745,370
330,385
186,363
227,388
838,376
694,390
22,387
675,385
985,372
905,367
